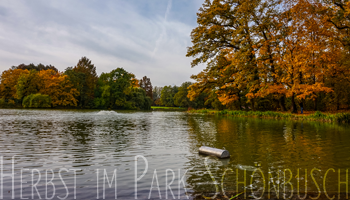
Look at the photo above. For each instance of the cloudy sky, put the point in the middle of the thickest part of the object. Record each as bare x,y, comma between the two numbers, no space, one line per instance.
145,37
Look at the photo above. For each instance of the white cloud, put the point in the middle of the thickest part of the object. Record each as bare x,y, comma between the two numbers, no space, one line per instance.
112,34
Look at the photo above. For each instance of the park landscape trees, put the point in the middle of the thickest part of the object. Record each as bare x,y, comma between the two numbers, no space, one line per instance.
43,86
276,54
259,55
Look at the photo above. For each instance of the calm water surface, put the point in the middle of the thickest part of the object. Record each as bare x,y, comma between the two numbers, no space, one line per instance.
69,153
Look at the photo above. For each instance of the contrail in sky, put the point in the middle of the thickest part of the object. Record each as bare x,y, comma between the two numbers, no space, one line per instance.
163,33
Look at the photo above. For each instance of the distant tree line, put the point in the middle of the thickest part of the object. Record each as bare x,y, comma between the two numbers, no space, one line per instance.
172,96
40,86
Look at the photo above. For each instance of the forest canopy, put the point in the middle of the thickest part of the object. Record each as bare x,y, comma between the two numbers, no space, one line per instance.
43,86
273,55
40,86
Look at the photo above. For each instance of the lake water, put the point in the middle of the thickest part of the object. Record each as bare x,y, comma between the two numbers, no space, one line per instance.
67,154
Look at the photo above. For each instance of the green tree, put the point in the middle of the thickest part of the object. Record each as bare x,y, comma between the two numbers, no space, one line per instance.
84,78
120,82
28,84
37,101
137,99
115,91
181,99
167,95
78,80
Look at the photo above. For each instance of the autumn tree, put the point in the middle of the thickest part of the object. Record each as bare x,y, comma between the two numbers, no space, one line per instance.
337,14
134,81
308,50
265,51
58,87
145,83
47,82
8,82
226,40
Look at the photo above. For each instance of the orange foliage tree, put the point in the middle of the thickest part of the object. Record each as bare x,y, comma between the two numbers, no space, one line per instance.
271,50
58,87
8,81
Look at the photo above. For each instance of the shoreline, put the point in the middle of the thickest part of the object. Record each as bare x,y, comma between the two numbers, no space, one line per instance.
342,117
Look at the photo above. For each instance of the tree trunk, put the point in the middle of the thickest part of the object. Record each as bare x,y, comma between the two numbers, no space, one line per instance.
315,104
301,104
294,106
239,101
282,103
253,104
338,104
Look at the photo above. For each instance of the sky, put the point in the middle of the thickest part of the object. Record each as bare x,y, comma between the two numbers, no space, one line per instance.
145,37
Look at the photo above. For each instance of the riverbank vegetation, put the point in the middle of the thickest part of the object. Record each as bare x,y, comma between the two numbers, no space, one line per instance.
315,116
168,108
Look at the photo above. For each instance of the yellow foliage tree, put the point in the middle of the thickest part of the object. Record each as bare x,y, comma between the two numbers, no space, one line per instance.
58,87
8,83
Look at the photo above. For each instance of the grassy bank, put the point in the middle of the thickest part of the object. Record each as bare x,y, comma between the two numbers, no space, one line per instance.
166,108
316,116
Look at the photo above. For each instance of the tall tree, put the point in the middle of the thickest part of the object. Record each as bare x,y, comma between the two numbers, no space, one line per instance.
85,79
167,95
226,39
145,83
336,13
180,98
117,90
264,50
114,87
28,84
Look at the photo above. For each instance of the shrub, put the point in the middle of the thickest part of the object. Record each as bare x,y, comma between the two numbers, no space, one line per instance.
37,101
10,103
3,103
318,114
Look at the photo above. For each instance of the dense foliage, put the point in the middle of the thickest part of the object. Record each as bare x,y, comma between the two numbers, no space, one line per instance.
37,101
273,55
171,96
40,86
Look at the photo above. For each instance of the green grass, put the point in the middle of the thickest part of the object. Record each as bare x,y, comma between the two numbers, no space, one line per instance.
167,108
317,116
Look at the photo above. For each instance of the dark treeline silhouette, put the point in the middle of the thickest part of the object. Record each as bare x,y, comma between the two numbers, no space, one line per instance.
38,67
